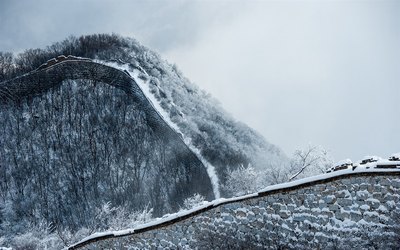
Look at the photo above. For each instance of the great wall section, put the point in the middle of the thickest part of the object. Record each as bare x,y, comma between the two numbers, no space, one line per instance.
45,78
345,209
53,73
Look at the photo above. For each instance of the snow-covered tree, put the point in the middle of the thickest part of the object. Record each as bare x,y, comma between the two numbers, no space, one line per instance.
242,180
310,161
117,218
193,201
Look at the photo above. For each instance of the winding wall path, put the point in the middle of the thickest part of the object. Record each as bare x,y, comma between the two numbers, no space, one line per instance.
41,80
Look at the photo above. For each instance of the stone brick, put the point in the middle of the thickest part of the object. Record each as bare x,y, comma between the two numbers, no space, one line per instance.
291,207
395,184
340,215
284,214
299,218
385,182
261,203
321,187
278,206
255,210
299,201
344,202
363,186
240,214
342,194
310,197
364,207
369,218
373,203
330,199
378,196
346,181
333,207
271,199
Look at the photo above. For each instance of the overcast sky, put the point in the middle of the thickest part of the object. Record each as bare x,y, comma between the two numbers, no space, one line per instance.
299,72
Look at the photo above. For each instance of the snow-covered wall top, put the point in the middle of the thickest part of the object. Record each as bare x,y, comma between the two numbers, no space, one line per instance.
359,208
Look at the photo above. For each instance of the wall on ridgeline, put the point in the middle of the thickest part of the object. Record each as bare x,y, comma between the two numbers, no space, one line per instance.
359,210
40,81
36,83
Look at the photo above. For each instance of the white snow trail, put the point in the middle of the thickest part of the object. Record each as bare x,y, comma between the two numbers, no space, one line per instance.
144,86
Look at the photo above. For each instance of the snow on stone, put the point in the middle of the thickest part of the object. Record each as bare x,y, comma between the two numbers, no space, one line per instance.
339,224
382,208
364,207
373,200
370,159
395,156
345,192
391,204
362,193
343,162
388,163
324,177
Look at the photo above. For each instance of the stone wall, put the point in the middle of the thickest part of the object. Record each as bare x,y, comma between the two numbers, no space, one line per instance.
37,82
351,210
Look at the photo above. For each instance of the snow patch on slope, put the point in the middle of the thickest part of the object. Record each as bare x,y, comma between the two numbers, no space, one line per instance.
144,86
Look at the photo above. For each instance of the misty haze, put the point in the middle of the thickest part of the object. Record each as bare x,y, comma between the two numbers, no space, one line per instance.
199,124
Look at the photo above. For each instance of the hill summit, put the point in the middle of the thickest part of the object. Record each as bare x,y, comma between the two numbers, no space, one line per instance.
101,119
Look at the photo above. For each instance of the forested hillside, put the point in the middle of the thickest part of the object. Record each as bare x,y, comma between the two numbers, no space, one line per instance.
83,143
223,140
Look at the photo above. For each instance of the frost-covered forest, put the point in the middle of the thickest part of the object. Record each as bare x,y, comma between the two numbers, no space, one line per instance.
82,151
78,147
223,141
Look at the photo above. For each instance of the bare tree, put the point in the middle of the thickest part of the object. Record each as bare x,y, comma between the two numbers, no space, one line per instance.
314,160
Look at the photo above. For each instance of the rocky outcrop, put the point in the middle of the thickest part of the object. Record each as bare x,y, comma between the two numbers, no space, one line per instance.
341,210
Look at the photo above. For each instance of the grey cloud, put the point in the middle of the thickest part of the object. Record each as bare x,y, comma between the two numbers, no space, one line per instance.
308,72
161,25
312,71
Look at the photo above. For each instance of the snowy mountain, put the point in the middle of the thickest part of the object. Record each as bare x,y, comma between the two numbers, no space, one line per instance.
111,124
